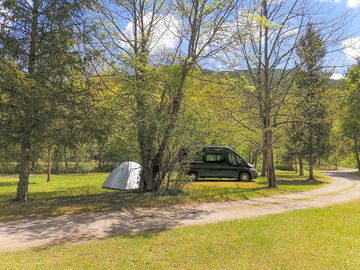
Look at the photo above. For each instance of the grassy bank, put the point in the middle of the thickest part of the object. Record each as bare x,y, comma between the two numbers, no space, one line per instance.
68,194
307,239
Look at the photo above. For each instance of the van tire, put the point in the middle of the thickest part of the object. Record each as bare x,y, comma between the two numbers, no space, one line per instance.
244,177
193,176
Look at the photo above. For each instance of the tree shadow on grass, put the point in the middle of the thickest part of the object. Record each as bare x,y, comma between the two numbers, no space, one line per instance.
69,228
10,184
45,204
215,180
299,182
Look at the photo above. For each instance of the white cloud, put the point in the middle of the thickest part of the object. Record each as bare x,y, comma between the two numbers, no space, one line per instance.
330,1
164,32
352,47
337,76
353,4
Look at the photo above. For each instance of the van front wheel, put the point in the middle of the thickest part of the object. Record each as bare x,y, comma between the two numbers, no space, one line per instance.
193,176
244,177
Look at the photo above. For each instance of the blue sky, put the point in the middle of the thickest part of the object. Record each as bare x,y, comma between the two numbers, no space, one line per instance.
351,8
338,61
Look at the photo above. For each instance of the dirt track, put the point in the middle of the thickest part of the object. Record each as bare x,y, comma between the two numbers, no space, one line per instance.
44,232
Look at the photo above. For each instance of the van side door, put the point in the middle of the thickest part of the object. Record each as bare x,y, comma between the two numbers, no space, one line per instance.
215,165
234,165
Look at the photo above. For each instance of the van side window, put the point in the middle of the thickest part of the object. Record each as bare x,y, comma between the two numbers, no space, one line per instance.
215,158
233,159
198,157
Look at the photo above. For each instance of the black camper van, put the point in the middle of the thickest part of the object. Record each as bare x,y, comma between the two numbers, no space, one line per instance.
220,162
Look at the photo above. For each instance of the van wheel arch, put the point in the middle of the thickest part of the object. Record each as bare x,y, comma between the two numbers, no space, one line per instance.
193,175
244,177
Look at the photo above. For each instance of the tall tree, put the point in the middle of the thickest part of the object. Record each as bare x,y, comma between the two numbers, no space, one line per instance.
37,44
351,119
153,46
265,35
313,126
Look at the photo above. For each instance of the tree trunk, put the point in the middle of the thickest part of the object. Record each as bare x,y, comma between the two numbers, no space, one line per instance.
270,162
22,193
146,145
49,165
295,166
311,168
171,123
311,155
66,159
100,162
301,167
101,155
147,176
23,184
270,169
263,168
337,162
146,142
357,153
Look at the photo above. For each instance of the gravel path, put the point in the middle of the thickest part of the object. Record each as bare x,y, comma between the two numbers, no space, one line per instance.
24,234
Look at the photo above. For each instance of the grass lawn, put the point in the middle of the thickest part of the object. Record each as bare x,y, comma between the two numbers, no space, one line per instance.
67,194
306,239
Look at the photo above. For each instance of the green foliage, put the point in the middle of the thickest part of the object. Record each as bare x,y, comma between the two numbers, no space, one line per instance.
308,135
24,105
38,41
351,119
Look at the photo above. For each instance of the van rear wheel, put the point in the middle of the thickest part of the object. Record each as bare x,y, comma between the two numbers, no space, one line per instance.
244,177
193,176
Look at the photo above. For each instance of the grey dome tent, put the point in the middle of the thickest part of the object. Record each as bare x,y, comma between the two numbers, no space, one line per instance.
124,176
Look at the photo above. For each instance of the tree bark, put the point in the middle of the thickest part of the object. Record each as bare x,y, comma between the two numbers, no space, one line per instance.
49,165
311,155
270,162
301,167
22,194
145,137
171,123
357,157
100,162
295,166
65,159
263,168
311,168
270,169
101,155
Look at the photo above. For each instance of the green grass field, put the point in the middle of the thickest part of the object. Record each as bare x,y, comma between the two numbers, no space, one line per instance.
308,239
68,194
